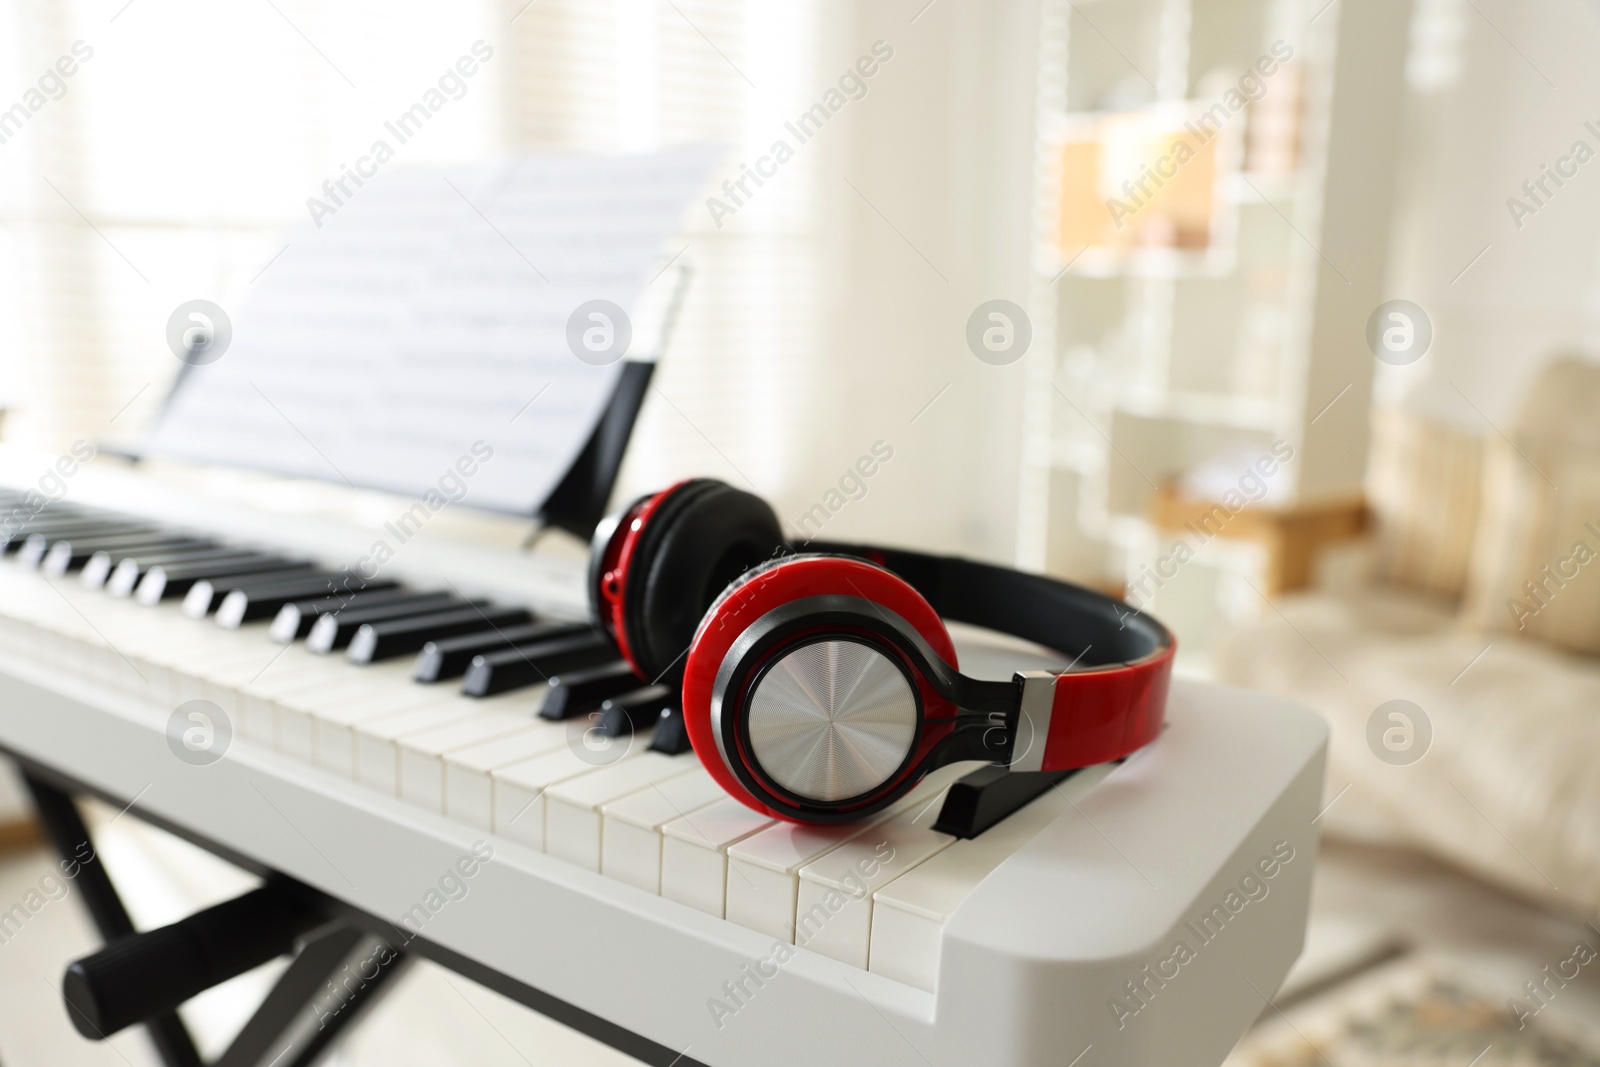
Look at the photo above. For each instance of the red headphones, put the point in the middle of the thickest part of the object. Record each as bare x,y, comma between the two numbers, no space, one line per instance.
820,686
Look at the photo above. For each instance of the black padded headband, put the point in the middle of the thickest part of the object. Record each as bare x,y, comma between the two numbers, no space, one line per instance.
1091,628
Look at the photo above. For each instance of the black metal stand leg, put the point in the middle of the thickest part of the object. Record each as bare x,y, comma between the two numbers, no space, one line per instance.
359,1001
67,832
289,1003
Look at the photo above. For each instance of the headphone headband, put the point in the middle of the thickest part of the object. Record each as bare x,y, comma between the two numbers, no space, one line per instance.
1108,704
819,680
1090,627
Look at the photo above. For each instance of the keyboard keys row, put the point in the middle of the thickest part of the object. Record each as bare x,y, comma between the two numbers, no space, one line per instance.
334,629
295,619
591,767
381,639
495,649
118,572
450,657
253,601
522,665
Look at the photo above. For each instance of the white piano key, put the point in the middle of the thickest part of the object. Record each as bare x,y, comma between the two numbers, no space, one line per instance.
763,876
422,754
694,852
295,673
196,679
337,716
169,639
572,822
295,669
292,730
73,637
240,674
292,669
764,870
377,750
468,787
909,914
175,647
145,659
519,789
297,717
833,913
630,832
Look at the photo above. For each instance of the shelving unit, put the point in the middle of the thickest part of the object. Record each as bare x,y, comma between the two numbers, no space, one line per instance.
1163,359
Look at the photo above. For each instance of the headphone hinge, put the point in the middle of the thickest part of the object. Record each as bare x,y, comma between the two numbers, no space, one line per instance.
986,736
1033,719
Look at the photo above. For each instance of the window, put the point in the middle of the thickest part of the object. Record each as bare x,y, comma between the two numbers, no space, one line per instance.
189,135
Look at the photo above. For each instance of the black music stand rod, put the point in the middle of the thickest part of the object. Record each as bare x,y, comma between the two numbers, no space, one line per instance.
579,501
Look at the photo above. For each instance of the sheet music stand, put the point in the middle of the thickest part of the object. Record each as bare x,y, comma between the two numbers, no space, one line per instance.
579,500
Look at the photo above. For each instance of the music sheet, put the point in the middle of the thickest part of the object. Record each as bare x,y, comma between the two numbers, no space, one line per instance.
426,320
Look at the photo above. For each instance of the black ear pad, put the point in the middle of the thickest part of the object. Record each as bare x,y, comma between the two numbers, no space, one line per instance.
700,539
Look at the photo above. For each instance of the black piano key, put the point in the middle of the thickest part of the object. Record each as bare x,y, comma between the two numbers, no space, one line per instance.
207,593
60,511
174,579
56,525
82,522
582,691
252,601
450,657
336,629
69,554
671,735
623,715
511,668
124,569
122,538
295,619
37,544
13,536
231,571
376,641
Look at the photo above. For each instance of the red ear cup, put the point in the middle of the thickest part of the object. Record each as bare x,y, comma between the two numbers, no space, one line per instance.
748,665
611,554
667,558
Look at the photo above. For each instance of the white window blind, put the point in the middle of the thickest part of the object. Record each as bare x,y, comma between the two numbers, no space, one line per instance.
170,163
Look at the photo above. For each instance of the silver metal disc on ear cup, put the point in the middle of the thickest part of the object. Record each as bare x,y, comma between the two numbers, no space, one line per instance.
832,719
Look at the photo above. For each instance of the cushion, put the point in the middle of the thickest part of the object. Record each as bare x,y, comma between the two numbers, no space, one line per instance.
1536,564
1504,783
1423,486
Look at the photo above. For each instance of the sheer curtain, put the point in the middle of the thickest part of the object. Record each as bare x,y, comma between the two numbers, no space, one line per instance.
190,134
824,315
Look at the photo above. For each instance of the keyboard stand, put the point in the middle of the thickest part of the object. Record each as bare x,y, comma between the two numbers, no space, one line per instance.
298,996
64,826
1066,943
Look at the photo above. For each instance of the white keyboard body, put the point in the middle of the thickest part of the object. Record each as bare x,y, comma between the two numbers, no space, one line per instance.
1138,917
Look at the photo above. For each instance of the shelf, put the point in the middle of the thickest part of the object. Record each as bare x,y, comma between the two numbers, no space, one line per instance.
1275,190
1151,263
1205,409
1176,355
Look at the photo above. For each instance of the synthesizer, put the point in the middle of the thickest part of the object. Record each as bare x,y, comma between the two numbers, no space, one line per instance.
231,670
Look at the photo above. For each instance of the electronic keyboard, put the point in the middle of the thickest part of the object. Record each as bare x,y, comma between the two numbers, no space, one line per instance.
244,669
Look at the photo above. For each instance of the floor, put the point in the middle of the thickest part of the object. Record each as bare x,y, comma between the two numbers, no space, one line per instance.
1363,897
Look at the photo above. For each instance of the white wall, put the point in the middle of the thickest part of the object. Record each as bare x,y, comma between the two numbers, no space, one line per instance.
920,208
944,151
1474,139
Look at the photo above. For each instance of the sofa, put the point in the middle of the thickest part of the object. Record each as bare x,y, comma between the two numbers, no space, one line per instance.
1456,654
